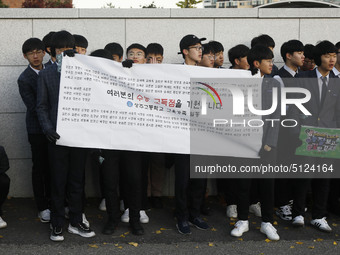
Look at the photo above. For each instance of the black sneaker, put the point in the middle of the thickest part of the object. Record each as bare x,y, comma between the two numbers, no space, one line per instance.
183,227
57,234
109,227
136,228
199,223
80,229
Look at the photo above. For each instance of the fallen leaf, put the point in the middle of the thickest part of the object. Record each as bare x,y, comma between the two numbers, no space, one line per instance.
120,247
122,236
310,247
299,242
211,244
334,224
257,227
240,239
116,244
196,247
336,235
1,237
286,227
231,223
205,219
253,222
126,233
292,247
158,232
133,244
213,229
162,229
93,245
267,240
335,243
275,223
319,240
104,243
233,219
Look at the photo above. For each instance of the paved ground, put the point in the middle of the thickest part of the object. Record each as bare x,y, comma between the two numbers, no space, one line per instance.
26,235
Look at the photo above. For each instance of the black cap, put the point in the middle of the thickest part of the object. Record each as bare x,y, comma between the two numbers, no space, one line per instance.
188,41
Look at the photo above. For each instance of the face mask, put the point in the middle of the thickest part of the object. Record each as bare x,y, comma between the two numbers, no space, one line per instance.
59,60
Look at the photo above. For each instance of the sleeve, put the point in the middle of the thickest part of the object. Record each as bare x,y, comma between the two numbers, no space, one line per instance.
43,103
28,94
4,162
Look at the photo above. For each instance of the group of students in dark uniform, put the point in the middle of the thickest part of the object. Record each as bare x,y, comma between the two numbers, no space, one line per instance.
58,172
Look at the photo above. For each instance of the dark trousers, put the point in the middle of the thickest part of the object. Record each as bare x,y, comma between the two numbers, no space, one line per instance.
189,193
67,166
320,189
40,170
4,189
265,189
131,174
283,191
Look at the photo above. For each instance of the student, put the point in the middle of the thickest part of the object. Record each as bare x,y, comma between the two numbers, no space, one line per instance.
292,53
324,106
4,183
154,53
191,49
238,57
67,164
208,56
81,44
308,63
116,51
219,56
136,53
33,51
47,42
267,41
156,161
336,68
260,60
188,192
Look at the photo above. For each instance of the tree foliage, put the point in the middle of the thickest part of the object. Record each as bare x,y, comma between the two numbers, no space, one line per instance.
152,5
47,4
188,3
109,5
2,5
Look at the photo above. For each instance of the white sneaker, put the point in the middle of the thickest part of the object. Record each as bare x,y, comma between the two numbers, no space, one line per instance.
102,205
143,217
125,217
255,209
240,227
45,216
298,221
271,232
232,211
121,205
3,223
85,221
321,224
284,212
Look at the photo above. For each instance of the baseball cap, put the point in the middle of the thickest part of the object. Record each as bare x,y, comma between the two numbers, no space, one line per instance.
188,41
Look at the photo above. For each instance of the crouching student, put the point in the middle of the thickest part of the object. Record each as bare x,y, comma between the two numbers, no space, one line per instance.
260,60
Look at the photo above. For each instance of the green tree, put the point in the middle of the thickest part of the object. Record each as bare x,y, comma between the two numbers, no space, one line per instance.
47,4
109,5
2,5
152,5
188,3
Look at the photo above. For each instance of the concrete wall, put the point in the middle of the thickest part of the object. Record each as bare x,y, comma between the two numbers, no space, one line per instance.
126,26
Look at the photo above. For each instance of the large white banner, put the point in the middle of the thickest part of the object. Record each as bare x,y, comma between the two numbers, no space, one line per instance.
143,108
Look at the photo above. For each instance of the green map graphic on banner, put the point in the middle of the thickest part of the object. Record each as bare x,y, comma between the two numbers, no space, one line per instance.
319,142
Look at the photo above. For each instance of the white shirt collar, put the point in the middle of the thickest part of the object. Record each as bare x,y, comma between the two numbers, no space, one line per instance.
336,72
289,70
319,75
37,71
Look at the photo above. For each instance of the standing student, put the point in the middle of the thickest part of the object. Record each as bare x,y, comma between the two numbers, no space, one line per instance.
208,56
308,63
4,183
154,53
292,53
47,42
67,164
33,51
81,44
260,60
269,42
116,51
188,192
136,53
324,107
238,57
219,53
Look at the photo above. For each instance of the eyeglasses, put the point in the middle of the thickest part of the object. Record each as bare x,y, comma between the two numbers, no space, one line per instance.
32,53
136,54
198,48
